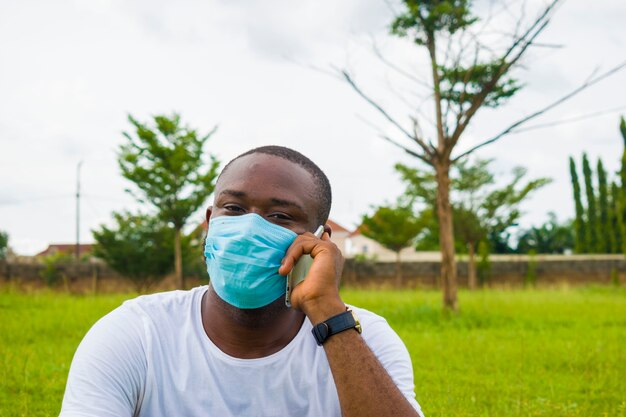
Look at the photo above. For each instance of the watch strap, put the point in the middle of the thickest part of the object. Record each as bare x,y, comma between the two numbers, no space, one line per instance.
336,324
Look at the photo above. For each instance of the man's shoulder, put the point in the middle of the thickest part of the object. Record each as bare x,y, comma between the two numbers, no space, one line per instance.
368,317
376,330
165,302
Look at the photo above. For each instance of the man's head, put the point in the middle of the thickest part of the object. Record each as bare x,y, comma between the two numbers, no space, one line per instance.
278,183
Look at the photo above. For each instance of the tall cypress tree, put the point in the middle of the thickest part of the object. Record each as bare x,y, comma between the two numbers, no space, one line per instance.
579,223
622,173
604,231
615,219
592,218
622,195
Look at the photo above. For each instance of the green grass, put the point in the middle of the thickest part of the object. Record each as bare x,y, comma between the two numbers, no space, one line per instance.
559,352
38,336
521,353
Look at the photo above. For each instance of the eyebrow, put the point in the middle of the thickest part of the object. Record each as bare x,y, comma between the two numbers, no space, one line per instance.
233,193
279,202
275,201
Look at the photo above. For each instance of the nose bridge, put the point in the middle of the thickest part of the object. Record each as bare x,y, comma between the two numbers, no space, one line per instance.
256,210
257,203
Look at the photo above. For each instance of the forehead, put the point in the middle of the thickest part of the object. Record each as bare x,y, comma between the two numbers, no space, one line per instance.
268,176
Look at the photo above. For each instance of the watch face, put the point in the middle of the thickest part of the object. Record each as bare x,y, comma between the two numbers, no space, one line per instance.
357,323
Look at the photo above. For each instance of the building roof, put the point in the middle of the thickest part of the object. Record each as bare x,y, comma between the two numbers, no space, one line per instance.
356,232
337,228
69,248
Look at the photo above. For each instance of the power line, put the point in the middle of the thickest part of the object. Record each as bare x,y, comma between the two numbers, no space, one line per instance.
571,119
11,201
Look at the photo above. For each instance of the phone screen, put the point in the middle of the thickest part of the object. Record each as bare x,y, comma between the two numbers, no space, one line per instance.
300,270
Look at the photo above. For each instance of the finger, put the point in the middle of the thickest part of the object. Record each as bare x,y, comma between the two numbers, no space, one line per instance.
303,245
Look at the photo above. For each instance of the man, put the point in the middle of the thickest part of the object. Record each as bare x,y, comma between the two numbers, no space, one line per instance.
234,348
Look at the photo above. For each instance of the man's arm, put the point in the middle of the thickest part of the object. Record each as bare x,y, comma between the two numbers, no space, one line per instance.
363,385
108,371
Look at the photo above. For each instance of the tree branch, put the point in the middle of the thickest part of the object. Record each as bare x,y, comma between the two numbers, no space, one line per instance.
417,132
396,68
541,20
407,150
525,41
512,127
417,140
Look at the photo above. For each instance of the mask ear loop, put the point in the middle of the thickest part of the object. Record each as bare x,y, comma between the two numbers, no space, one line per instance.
300,270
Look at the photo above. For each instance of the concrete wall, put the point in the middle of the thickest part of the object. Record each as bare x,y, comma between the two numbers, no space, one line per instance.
83,278
505,271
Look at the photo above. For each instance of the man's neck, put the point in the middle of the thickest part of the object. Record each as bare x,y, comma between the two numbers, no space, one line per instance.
249,334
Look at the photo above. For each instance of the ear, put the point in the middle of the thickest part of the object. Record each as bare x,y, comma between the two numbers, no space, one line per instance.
328,230
209,211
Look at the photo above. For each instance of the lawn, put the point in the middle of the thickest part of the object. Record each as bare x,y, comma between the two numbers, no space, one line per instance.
558,352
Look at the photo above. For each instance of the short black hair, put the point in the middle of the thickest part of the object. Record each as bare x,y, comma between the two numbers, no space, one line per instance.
323,192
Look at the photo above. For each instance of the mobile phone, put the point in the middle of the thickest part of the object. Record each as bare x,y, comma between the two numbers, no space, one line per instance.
300,269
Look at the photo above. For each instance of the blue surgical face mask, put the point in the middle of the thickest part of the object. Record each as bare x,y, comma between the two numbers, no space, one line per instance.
243,254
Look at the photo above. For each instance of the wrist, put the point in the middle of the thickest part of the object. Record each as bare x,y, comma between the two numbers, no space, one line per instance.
334,325
321,310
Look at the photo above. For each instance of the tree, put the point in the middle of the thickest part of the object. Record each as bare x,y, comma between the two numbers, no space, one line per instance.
469,228
468,73
621,200
604,229
615,219
168,165
592,218
4,245
139,247
484,264
394,227
482,210
579,223
550,237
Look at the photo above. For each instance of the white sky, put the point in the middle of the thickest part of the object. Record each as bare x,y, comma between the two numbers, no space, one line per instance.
71,71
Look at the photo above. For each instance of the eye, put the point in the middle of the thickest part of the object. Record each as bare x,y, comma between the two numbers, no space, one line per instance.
233,208
280,216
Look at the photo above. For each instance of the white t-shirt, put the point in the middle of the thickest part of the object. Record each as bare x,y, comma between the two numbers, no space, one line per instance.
151,357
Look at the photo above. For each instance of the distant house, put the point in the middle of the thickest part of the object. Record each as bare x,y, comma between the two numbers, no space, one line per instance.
339,235
67,248
357,244
353,243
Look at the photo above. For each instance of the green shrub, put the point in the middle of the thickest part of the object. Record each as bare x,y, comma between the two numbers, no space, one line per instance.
484,264
52,272
531,270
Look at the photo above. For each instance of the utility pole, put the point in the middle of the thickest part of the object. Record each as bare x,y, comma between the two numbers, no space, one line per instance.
78,210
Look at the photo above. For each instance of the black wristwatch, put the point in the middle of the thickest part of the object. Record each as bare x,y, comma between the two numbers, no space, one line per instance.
336,324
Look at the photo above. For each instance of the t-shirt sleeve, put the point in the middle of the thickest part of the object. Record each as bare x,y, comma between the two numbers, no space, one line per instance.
391,352
108,372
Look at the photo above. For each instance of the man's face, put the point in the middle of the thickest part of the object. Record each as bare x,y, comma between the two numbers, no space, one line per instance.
278,190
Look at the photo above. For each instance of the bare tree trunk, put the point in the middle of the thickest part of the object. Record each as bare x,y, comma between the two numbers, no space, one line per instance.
95,275
471,267
446,235
398,270
178,261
